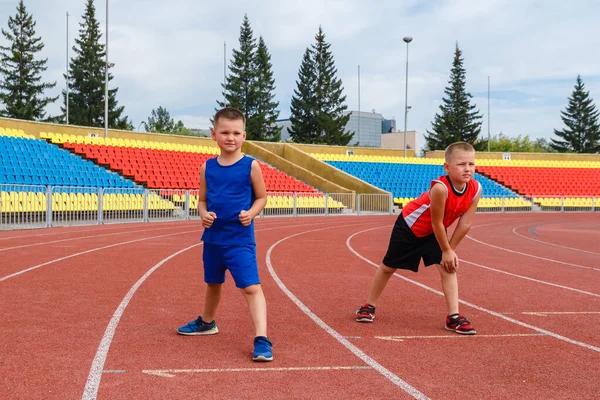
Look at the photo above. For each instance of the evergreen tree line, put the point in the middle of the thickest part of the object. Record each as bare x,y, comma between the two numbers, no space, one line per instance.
318,112
318,109
458,120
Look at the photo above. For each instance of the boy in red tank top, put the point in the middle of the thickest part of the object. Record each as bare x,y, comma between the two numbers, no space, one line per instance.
420,233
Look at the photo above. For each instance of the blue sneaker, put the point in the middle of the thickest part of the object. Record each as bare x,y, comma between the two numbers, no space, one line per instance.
262,349
198,327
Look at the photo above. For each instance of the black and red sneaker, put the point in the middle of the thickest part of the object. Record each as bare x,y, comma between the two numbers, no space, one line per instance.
459,324
366,313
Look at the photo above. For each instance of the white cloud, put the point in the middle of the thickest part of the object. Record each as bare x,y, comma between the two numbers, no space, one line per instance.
171,53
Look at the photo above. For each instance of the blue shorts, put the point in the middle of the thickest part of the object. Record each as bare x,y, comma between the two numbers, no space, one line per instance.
239,260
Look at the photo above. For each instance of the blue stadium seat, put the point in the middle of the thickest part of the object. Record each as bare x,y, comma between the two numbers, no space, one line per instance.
409,180
25,161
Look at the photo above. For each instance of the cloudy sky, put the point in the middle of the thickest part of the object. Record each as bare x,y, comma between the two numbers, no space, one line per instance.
170,53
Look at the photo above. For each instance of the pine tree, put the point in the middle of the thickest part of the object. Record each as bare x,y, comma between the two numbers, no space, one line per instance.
87,79
250,86
21,89
318,112
160,121
582,134
240,88
459,121
266,110
304,103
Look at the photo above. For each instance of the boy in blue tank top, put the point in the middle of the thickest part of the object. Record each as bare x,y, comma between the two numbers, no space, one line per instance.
232,193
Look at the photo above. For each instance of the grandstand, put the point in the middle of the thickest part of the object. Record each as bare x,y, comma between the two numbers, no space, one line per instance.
407,178
122,180
67,178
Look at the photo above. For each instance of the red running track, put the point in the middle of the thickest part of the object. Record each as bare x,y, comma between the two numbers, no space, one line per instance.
92,311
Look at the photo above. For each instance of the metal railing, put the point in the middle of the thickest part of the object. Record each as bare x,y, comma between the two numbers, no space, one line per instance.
30,206
26,206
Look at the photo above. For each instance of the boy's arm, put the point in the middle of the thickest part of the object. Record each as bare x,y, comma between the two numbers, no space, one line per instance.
464,223
202,208
438,195
260,195
260,190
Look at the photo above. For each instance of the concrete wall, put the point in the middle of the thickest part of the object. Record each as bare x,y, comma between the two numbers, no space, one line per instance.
274,155
312,171
395,140
525,156
320,149
34,128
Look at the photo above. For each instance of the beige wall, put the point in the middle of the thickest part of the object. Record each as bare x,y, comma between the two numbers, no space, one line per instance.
34,128
321,149
395,140
299,164
526,156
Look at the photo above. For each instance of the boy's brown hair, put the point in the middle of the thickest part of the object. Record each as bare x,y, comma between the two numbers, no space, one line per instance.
231,114
458,146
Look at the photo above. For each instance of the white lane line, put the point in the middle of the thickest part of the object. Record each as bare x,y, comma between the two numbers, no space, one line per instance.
546,313
531,279
552,244
455,336
490,224
79,238
531,255
170,373
337,336
90,251
485,310
93,382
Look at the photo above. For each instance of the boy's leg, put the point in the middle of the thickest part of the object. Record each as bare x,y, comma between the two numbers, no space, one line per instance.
205,324
241,261
366,313
379,282
454,320
257,306
214,276
450,288
211,301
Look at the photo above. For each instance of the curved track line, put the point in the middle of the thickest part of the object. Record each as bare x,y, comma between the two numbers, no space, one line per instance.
68,230
133,241
531,279
552,244
531,255
93,382
79,238
101,234
485,310
355,350
90,251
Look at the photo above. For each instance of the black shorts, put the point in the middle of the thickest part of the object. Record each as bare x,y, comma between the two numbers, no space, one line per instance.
406,249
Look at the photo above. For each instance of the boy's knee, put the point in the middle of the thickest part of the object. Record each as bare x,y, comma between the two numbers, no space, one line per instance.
251,290
387,270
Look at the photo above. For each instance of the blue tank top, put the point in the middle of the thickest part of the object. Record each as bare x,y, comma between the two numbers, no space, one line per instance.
229,191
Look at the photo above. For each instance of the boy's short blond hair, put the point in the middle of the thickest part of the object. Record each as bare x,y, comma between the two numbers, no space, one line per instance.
457,146
231,114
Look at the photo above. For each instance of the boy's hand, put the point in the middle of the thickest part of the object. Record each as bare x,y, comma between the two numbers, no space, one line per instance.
208,218
449,261
245,218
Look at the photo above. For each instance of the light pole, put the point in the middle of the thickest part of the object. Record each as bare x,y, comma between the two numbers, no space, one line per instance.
106,79
67,75
407,39
359,103
489,137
